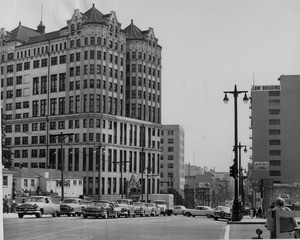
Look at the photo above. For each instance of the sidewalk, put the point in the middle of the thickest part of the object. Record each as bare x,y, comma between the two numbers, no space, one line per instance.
248,220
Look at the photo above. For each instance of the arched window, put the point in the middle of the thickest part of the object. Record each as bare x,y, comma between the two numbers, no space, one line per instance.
78,25
98,40
86,41
72,27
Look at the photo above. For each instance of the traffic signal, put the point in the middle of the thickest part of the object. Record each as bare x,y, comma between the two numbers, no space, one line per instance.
232,171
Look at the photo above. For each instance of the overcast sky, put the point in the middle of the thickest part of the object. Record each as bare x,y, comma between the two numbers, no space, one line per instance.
208,46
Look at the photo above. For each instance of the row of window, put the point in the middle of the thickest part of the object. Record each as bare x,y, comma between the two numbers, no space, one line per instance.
142,56
63,46
84,123
85,137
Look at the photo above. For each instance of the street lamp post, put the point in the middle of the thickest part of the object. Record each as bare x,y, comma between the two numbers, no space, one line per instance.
62,136
240,175
235,209
99,168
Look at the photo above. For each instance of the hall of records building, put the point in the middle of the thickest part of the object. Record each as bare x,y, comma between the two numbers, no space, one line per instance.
93,82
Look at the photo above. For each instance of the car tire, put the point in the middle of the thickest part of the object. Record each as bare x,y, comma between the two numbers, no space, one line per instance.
176,214
216,219
188,214
208,216
39,215
84,216
54,214
20,215
57,214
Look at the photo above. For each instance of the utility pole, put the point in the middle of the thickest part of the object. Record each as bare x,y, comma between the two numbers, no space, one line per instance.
142,167
99,168
62,137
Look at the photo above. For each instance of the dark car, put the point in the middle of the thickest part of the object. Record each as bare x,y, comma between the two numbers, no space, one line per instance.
71,207
99,209
222,212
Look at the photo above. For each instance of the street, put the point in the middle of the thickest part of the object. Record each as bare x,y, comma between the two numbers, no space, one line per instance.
173,227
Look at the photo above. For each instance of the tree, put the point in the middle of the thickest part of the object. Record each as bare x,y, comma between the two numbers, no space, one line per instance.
6,150
178,200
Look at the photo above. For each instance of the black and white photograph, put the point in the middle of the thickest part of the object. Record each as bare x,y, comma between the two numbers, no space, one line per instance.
150,119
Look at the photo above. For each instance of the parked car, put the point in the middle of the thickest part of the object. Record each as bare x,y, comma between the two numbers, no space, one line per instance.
141,209
99,209
127,208
153,209
38,206
178,209
117,208
222,212
200,211
71,207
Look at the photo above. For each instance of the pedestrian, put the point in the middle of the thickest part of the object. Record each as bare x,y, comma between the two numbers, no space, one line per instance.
13,206
254,212
5,204
279,205
259,212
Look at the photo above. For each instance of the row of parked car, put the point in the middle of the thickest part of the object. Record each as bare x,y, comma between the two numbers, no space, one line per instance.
42,205
221,212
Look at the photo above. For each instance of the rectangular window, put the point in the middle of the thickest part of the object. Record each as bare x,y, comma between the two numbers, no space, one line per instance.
274,142
275,173
275,162
274,121
274,111
274,152
274,131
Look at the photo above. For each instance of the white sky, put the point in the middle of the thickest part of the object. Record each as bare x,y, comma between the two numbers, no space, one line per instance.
208,46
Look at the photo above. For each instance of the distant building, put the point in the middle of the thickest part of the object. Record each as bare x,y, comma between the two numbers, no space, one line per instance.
172,172
7,183
192,170
47,180
275,124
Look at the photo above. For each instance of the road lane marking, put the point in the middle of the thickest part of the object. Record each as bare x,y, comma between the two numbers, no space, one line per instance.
226,236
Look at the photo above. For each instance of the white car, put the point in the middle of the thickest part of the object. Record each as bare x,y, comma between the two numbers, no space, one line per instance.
178,209
200,211
38,205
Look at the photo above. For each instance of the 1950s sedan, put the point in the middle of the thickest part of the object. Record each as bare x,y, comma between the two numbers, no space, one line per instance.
99,209
38,205
71,207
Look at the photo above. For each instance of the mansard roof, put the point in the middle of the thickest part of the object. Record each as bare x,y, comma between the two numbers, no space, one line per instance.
44,37
133,32
22,33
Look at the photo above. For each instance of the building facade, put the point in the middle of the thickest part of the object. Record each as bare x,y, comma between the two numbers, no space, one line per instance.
87,82
172,173
275,123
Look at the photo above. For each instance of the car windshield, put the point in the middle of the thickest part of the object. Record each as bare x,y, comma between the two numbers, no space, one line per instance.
99,204
150,204
138,204
160,202
179,207
122,201
35,199
226,209
69,201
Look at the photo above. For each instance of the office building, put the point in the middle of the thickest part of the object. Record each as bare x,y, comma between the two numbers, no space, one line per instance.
275,123
97,85
172,173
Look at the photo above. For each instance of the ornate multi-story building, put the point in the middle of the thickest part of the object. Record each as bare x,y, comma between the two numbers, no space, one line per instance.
92,84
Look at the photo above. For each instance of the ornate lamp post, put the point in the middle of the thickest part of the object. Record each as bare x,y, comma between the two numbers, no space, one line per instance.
235,209
101,149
